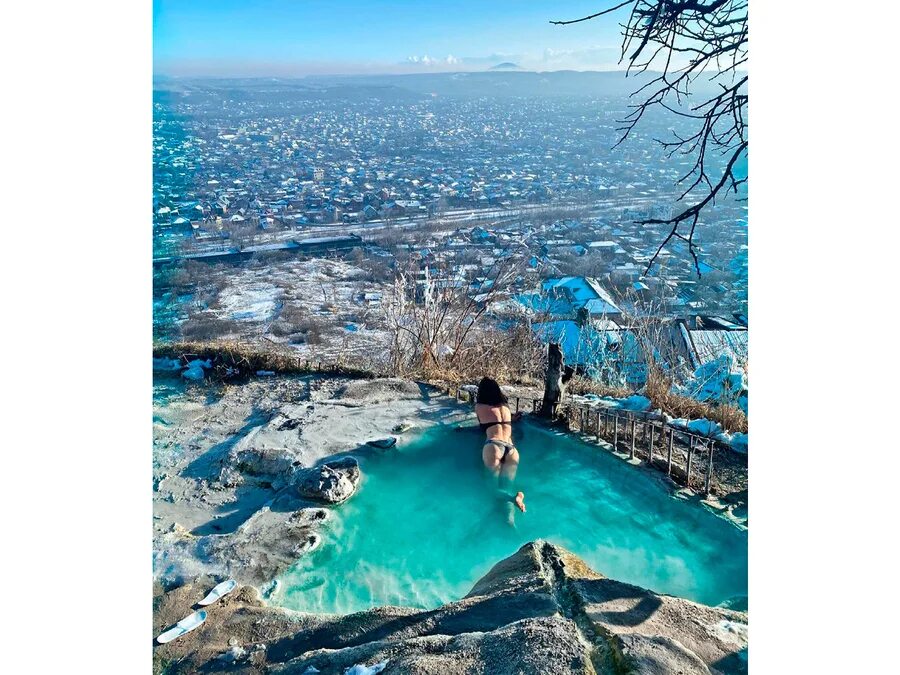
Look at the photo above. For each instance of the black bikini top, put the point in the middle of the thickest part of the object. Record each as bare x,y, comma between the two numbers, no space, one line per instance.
488,425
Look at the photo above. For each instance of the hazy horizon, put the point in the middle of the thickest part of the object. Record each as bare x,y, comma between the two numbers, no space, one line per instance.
277,38
264,76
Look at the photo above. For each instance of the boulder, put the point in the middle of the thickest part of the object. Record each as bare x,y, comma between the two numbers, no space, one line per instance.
331,482
229,477
259,460
403,427
383,443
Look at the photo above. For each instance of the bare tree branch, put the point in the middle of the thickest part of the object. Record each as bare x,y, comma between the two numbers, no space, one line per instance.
710,40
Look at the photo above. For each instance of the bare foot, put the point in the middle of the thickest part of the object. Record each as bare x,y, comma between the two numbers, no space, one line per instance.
520,501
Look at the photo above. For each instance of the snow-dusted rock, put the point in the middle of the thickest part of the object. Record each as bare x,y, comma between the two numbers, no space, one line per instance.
383,443
331,482
264,461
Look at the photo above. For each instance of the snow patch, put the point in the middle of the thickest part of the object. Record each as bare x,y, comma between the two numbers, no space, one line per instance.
167,365
256,301
720,380
195,369
360,669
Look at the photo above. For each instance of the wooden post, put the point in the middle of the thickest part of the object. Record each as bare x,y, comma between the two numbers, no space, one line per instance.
554,389
615,431
632,437
517,404
650,446
687,480
671,443
581,419
598,425
709,468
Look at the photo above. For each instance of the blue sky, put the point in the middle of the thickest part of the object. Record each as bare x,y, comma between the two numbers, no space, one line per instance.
302,37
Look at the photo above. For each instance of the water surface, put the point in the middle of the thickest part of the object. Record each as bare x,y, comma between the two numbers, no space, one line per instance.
426,524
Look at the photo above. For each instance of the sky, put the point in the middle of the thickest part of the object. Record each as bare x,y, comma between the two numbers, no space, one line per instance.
309,37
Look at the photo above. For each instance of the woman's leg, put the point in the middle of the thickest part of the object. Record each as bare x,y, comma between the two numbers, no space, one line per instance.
508,469
491,456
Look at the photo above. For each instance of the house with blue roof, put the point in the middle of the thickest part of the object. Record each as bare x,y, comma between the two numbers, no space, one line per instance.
568,297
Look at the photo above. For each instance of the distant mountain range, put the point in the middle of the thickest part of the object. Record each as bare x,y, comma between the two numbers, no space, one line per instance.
506,65
505,82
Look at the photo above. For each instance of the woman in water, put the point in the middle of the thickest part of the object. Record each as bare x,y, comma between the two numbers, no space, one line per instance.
499,454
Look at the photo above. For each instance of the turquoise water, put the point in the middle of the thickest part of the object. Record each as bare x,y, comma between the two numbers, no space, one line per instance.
426,524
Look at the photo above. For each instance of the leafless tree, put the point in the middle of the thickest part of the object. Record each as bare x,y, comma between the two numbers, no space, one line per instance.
679,43
435,317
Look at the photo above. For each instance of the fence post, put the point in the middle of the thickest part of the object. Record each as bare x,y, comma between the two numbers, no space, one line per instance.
671,443
709,468
687,480
650,446
632,437
581,419
517,404
598,425
615,431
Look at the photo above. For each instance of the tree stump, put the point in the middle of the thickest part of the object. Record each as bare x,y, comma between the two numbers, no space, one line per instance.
554,383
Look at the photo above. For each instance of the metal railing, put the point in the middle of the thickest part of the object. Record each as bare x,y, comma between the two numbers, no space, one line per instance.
685,456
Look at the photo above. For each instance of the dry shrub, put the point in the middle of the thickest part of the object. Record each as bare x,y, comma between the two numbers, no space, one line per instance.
187,274
249,358
313,330
207,327
512,356
288,321
300,326
659,390
585,385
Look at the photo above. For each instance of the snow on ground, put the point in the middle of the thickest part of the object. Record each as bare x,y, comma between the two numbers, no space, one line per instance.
255,301
315,306
635,403
720,380
704,427
638,403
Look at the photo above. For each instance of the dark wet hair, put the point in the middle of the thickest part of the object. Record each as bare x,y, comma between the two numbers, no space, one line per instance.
489,392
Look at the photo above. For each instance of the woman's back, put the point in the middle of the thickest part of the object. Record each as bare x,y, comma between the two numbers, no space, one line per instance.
496,420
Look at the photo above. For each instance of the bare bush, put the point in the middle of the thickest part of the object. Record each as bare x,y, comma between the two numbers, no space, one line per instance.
440,324
207,327
296,323
659,390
